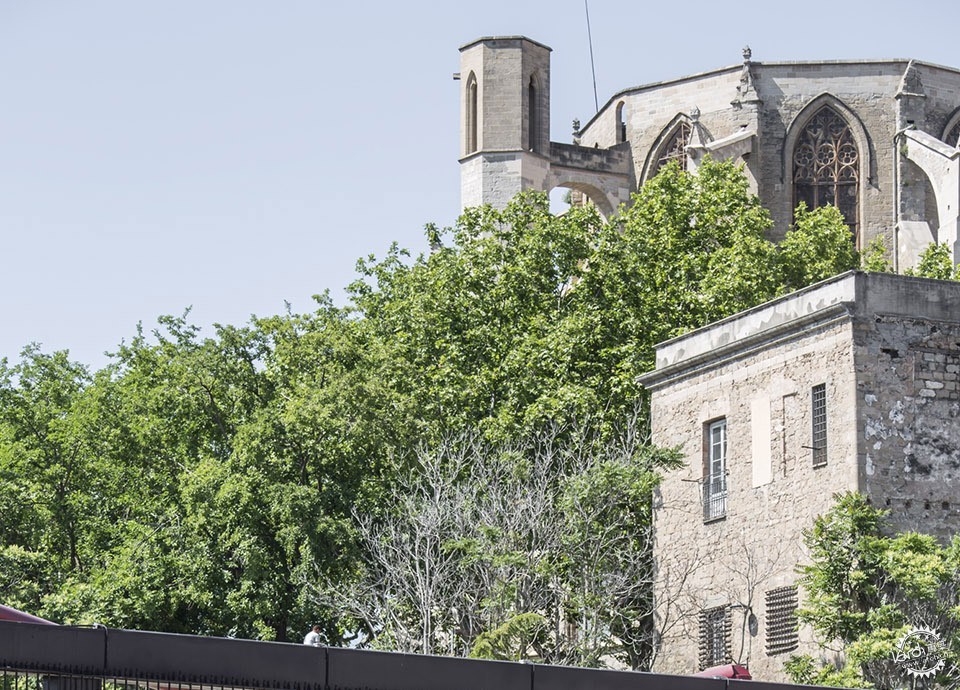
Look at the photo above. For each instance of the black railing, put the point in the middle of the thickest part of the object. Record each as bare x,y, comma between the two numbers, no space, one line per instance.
47,657
714,497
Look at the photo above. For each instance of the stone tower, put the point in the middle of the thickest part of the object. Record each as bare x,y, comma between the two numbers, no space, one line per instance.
504,119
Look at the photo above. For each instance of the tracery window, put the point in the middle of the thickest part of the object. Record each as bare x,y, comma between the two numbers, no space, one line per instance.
826,166
676,147
953,136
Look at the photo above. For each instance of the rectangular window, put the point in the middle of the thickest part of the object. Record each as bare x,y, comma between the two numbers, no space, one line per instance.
782,620
819,437
714,637
715,471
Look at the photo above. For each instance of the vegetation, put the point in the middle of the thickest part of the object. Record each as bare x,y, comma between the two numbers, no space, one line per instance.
865,590
264,477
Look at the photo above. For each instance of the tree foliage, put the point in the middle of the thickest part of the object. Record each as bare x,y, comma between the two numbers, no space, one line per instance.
865,589
210,483
935,262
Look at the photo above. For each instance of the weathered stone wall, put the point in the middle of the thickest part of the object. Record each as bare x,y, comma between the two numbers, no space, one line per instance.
887,348
941,87
651,111
908,398
774,490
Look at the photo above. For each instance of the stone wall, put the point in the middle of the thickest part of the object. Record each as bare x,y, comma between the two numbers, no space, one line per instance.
774,490
887,349
878,98
908,397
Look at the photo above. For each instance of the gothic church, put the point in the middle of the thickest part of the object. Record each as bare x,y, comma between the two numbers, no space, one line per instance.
876,138
852,384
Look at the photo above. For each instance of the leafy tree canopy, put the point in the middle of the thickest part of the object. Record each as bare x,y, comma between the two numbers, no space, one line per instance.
866,589
204,483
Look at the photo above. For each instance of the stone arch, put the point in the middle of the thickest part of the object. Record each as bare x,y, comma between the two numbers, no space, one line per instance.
854,140
589,189
951,133
669,137
472,111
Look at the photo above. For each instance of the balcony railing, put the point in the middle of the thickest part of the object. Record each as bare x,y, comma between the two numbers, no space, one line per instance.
714,497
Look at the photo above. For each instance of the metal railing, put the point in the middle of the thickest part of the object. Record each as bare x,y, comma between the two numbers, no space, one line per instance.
714,497
46,657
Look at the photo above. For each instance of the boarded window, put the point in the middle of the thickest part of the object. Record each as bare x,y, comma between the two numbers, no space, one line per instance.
781,620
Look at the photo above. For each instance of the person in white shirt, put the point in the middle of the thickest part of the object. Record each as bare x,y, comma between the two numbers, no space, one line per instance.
313,637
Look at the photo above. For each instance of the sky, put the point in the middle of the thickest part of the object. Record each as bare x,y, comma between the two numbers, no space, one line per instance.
234,156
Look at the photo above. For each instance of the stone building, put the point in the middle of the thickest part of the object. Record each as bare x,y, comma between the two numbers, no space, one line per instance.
877,138
852,384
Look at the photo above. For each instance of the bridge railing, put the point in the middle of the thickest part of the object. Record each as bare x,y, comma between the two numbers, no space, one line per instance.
44,657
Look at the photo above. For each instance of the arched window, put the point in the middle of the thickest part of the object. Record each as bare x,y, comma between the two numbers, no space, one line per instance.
826,166
953,136
621,124
676,147
533,118
471,113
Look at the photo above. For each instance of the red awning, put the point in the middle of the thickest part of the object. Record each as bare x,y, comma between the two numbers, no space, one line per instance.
9,614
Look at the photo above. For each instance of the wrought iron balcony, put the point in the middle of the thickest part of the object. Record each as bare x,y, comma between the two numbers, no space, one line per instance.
714,497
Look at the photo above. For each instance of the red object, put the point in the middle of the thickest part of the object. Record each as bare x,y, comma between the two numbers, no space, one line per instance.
726,671
9,614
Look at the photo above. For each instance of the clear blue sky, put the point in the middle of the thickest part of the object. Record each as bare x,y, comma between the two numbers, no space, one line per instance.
231,155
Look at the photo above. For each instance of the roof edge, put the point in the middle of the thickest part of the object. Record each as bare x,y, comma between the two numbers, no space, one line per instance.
483,39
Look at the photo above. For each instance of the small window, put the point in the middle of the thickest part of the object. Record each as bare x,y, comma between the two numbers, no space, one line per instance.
533,119
471,114
621,124
714,637
782,620
715,471
819,414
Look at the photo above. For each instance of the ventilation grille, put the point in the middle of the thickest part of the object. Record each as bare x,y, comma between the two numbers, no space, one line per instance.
781,620
714,637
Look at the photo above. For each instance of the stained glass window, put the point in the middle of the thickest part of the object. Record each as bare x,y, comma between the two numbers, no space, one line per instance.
826,166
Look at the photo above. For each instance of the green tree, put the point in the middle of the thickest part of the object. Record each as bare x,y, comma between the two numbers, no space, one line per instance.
865,589
875,258
200,483
935,262
817,247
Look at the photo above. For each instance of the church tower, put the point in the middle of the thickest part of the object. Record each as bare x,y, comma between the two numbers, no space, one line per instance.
504,119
